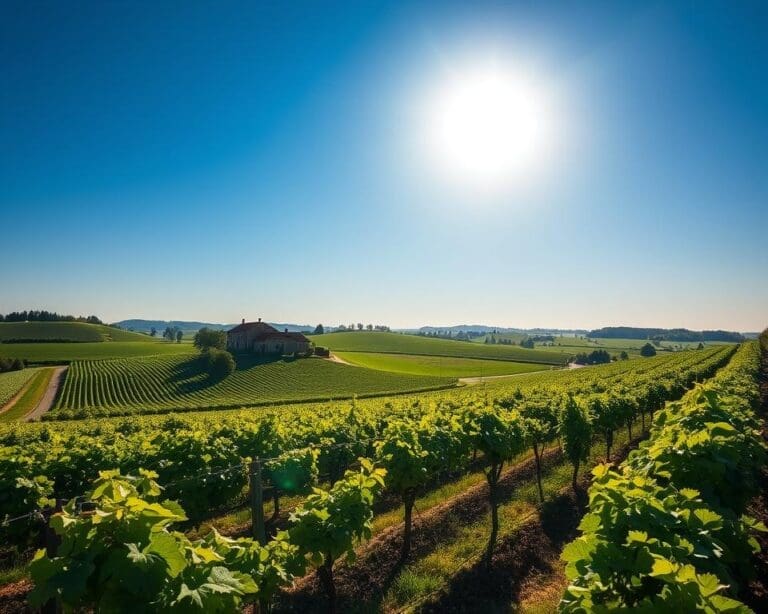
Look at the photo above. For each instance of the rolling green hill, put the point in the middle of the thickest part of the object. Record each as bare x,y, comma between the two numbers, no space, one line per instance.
442,366
62,353
75,332
165,383
64,342
395,343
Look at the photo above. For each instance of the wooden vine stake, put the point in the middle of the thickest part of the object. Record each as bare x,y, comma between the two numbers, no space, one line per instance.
257,502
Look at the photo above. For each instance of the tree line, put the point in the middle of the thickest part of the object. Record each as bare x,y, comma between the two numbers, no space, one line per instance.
664,334
320,329
34,315
11,364
171,333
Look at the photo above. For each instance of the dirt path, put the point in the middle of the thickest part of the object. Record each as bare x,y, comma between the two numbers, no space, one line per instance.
339,360
49,396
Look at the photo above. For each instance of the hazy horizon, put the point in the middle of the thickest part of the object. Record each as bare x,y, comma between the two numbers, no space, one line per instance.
335,322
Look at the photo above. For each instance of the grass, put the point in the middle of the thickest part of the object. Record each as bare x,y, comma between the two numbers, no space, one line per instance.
11,382
178,382
395,343
70,331
31,396
441,366
61,353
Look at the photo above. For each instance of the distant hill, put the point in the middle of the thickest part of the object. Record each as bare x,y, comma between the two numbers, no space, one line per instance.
664,334
160,325
484,329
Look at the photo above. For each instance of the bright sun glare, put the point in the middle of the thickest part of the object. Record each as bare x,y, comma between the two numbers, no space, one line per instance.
488,126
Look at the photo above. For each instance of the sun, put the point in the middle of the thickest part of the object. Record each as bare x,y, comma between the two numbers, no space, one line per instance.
487,126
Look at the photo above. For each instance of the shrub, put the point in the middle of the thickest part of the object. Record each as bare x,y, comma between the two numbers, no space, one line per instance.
218,363
123,556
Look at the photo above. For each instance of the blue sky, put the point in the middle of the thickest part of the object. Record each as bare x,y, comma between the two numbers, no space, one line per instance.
214,161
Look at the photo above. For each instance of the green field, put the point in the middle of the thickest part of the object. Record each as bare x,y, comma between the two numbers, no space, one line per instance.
66,331
441,366
163,383
395,343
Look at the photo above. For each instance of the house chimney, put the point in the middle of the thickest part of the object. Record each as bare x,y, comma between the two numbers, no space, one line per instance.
259,319
243,322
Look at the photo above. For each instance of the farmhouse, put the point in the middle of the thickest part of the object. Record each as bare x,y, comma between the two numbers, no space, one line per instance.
261,338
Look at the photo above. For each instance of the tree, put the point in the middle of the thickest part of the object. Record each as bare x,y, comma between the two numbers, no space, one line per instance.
647,350
499,435
369,326
179,335
218,363
206,339
153,332
576,434
359,326
624,355
330,522
319,330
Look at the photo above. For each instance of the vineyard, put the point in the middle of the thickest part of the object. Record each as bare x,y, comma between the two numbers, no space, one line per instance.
665,531
413,444
165,383
65,353
12,382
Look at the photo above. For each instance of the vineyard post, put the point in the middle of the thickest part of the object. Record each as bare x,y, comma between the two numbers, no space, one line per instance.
52,543
257,501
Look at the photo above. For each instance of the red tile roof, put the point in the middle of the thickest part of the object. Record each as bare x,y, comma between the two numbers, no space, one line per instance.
265,332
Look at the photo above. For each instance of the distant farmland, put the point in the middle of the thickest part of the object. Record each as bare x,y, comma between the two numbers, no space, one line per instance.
164,383
442,366
394,343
